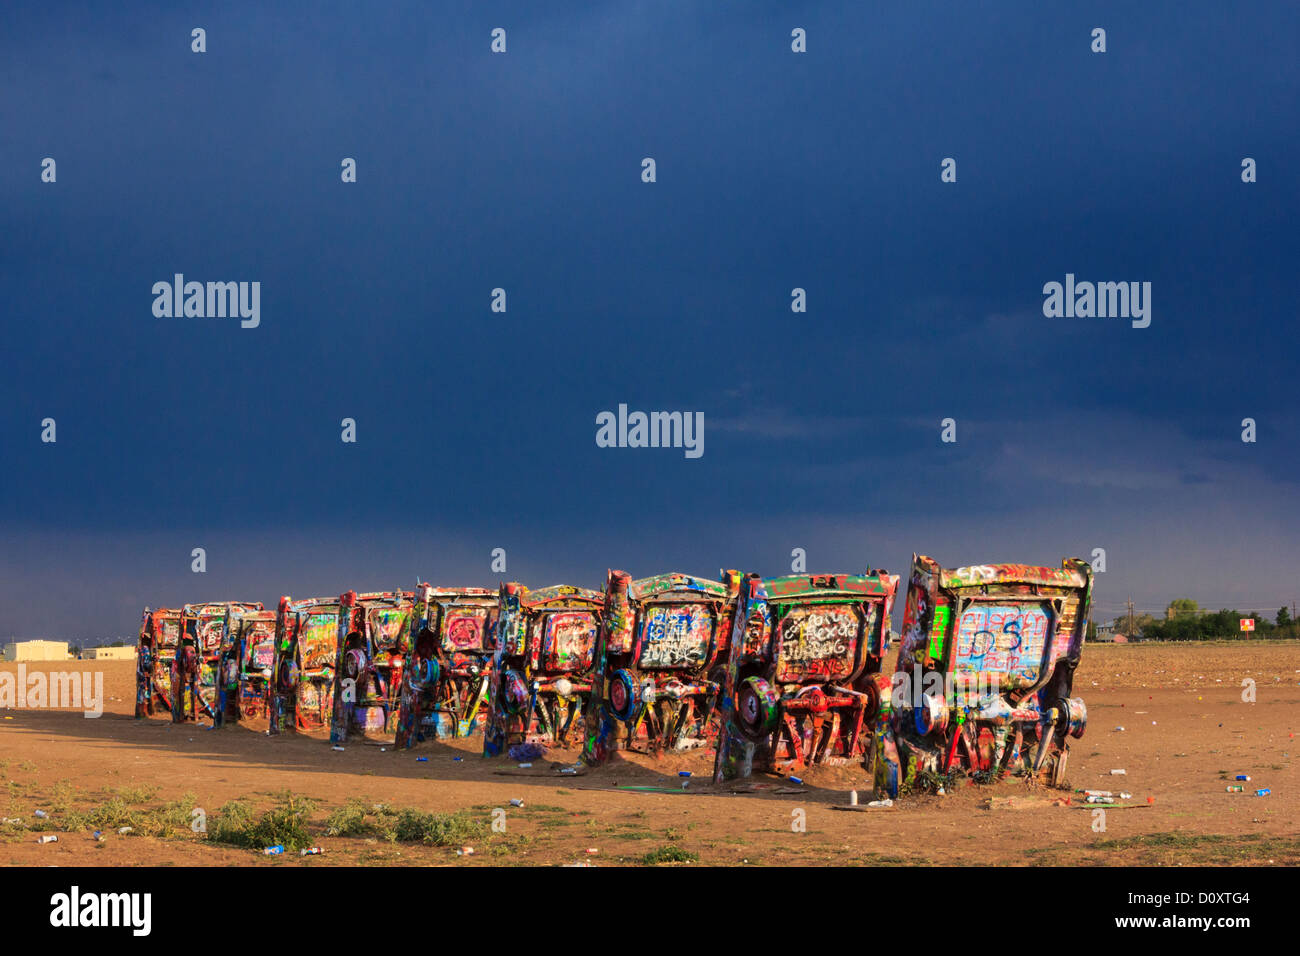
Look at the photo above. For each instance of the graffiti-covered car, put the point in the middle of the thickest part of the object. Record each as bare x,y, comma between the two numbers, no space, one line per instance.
306,653
542,666
986,667
446,682
205,635
155,651
246,667
805,681
661,662
372,648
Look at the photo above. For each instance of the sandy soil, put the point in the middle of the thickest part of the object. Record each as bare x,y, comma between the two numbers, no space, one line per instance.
1186,731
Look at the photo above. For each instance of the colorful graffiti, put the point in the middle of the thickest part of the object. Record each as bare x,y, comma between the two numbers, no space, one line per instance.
544,665
779,673
249,666
199,662
661,648
301,691
447,681
804,681
1006,638
569,637
677,636
371,650
1002,642
156,644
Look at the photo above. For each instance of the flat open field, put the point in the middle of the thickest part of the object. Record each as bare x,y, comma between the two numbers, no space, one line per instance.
1186,732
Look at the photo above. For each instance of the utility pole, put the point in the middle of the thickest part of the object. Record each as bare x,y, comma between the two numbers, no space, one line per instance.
1130,617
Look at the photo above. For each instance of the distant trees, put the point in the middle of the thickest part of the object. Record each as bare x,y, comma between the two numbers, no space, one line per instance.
1140,623
1184,621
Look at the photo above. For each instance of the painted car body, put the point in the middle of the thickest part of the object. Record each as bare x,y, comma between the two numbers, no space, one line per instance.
246,667
543,664
155,651
661,662
204,638
373,640
306,654
453,633
805,681
986,662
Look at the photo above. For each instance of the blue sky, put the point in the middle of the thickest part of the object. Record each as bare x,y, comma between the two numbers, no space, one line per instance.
775,170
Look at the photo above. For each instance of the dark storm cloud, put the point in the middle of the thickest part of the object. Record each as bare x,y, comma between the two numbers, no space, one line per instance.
775,171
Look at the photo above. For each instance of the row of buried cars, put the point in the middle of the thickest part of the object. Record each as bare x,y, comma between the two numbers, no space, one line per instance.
774,674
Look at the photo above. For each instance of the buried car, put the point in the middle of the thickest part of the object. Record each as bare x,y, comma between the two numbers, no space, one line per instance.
373,628
661,661
301,695
155,651
804,681
986,667
204,637
246,667
446,680
542,666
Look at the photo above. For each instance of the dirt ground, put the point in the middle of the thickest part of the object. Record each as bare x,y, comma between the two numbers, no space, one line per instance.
1187,732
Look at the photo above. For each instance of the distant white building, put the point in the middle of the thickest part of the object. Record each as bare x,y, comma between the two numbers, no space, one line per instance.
108,654
37,651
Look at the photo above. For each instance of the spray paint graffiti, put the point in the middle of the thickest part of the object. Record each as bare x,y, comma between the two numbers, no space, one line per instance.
155,652
205,638
804,682
447,682
301,693
247,667
1006,638
791,667
677,636
318,641
819,642
660,654
372,646
568,639
543,666
1004,641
